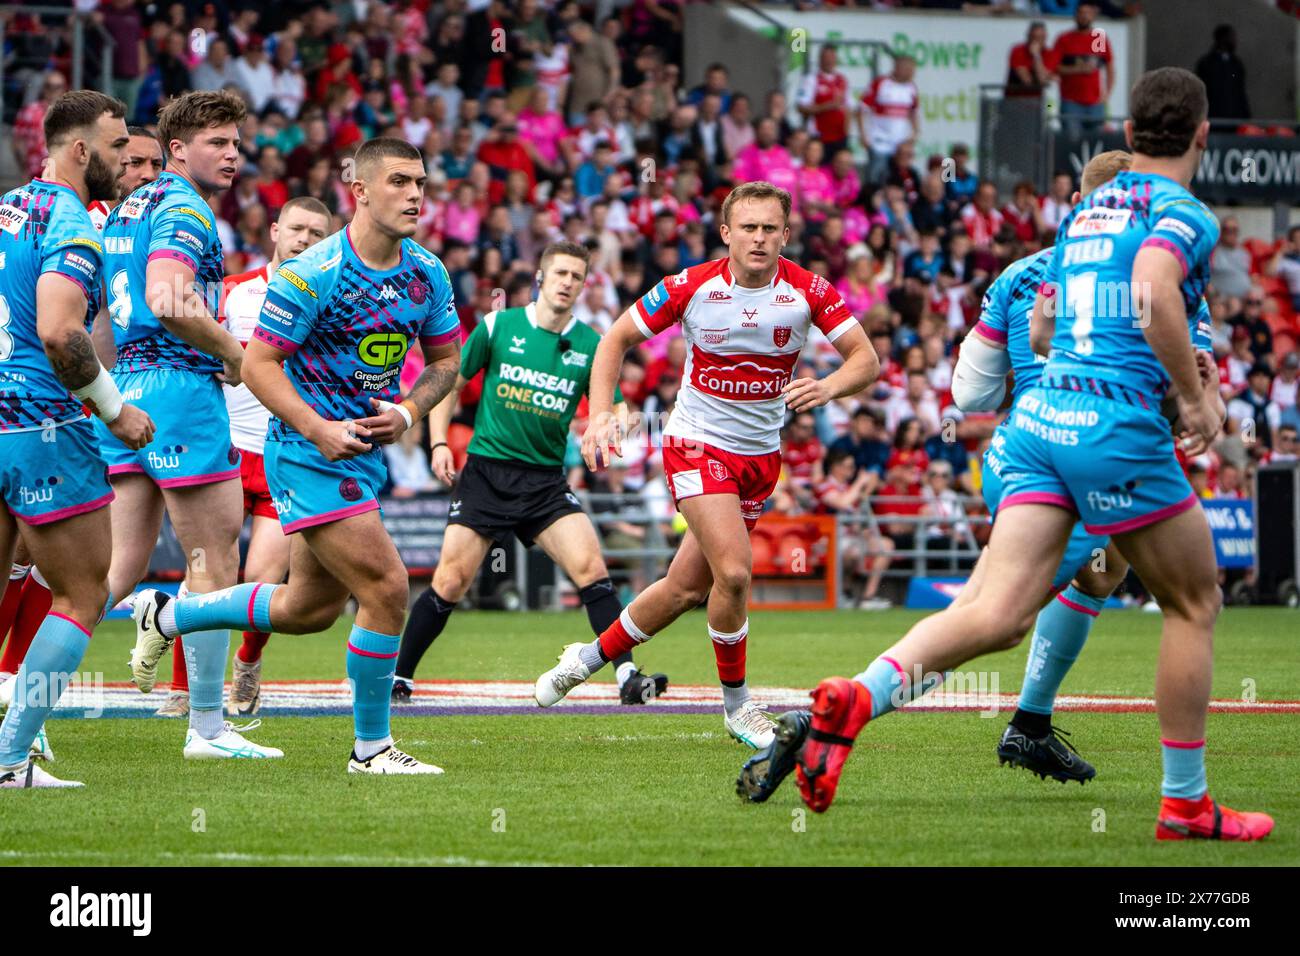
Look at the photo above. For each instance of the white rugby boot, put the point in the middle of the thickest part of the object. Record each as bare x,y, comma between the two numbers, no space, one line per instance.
227,745
562,678
390,760
751,726
28,776
150,642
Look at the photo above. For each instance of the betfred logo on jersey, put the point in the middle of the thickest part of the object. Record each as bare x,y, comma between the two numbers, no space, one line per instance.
1098,221
741,378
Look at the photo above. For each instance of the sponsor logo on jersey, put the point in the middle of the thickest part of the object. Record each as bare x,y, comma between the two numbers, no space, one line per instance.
383,349
517,344
418,291
80,263
680,279
1112,499
750,315
81,241
784,299
331,262
1176,226
818,286
741,378
189,239
12,219
718,295
575,358
188,211
1088,250
781,335
655,298
118,245
388,294
528,376
1099,221
133,207
714,336
295,280
276,311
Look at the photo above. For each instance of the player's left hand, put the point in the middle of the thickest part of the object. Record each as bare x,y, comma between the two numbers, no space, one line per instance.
385,426
805,394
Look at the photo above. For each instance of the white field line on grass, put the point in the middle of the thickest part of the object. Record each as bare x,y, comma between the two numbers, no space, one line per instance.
283,859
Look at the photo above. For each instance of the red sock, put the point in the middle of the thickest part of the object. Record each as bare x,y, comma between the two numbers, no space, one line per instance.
251,650
180,678
33,607
9,605
729,649
616,641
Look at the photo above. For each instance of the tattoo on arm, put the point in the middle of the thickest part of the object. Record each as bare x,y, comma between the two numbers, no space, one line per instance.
434,383
74,360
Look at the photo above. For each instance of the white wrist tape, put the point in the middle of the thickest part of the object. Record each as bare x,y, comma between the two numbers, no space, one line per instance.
401,410
102,396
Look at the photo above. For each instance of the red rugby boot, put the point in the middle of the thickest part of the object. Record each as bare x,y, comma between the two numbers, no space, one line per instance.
1206,819
840,709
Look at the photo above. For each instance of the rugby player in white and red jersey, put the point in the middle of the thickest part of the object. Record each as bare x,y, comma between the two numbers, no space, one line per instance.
745,319
303,222
143,160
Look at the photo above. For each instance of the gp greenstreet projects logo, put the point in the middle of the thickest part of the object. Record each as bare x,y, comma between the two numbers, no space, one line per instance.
383,349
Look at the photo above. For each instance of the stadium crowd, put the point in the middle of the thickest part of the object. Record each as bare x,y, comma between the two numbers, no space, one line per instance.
544,119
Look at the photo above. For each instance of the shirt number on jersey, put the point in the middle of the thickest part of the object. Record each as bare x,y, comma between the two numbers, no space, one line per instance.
1081,298
6,339
120,308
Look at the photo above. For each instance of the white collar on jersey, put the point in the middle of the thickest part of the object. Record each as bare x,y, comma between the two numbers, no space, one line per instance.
731,279
530,310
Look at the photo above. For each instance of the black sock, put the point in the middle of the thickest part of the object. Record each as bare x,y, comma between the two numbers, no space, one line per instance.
428,617
1031,724
600,598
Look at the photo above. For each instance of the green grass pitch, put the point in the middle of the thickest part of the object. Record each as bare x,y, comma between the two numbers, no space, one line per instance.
644,788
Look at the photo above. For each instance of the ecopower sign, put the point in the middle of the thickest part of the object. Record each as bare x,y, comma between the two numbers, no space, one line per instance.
955,54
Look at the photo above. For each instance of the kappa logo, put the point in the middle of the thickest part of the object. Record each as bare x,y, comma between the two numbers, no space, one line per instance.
781,335
388,294
718,295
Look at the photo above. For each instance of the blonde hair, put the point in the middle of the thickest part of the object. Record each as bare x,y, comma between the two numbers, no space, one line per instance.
756,190
1104,167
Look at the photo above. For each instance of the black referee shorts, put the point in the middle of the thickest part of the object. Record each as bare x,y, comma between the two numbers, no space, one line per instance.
495,497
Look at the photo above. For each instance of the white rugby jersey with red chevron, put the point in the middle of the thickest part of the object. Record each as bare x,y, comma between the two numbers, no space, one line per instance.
240,306
741,348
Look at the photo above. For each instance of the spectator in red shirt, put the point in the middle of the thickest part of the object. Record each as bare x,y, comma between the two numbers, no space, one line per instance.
823,99
502,152
1028,72
1023,213
1081,55
29,126
981,217
802,453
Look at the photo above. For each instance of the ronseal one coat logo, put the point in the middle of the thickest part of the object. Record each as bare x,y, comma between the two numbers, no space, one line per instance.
382,349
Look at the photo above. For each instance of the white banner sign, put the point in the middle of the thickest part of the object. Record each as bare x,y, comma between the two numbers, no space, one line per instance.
955,54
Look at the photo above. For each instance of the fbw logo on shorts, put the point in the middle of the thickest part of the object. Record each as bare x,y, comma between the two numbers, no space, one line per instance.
1112,499
42,491
170,457
75,909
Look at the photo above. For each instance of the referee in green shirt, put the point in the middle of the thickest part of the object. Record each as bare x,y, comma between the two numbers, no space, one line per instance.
537,364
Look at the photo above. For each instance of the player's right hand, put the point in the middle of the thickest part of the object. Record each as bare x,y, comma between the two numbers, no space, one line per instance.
133,427
1200,425
443,464
338,441
601,439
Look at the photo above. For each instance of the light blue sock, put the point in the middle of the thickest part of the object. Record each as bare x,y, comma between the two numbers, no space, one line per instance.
1059,635
245,606
55,653
372,658
205,664
1184,769
890,687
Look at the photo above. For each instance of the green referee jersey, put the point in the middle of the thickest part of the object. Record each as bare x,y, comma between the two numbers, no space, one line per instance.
531,384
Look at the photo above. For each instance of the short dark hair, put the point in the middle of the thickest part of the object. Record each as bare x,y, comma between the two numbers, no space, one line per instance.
78,110
309,203
384,147
837,455
140,131
1167,105
188,115
564,248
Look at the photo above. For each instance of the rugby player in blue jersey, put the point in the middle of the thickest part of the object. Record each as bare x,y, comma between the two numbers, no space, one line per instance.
1090,443
51,473
326,361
